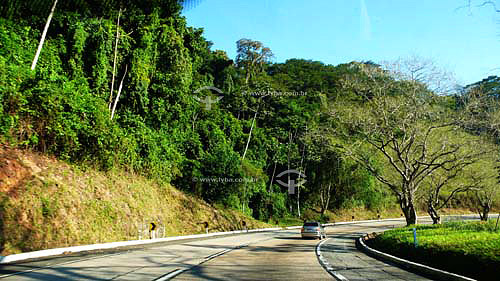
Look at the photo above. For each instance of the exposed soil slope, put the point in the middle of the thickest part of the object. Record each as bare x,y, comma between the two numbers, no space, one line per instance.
46,203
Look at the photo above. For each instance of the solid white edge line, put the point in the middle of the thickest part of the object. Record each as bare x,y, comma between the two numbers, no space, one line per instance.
170,275
326,265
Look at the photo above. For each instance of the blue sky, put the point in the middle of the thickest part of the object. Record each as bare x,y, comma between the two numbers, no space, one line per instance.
463,41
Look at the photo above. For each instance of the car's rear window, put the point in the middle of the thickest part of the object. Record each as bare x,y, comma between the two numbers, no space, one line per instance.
311,224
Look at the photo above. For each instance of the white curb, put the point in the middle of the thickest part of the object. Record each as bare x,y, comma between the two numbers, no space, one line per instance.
111,245
445,275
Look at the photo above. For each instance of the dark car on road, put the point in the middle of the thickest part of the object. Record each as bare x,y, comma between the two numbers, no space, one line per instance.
313,230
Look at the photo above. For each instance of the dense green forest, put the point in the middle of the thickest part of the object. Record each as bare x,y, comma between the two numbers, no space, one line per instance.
129,85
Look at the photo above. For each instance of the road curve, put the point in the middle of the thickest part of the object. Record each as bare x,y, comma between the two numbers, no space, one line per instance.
349,263
280,255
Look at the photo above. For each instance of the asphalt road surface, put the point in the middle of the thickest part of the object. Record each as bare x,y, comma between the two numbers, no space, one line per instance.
280,255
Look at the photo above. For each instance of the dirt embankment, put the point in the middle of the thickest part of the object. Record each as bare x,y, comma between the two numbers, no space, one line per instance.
46,203
16,167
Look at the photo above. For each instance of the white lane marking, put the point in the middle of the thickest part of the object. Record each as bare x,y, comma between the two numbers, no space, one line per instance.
326,265
217,254
171,275
116,254
57,264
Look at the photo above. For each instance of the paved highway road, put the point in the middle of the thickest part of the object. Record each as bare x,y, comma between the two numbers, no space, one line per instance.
278,255
349,263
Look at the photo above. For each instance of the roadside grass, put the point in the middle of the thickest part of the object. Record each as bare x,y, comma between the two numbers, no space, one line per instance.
289,221
471,249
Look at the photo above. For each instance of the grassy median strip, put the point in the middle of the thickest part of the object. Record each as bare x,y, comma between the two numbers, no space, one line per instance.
471,249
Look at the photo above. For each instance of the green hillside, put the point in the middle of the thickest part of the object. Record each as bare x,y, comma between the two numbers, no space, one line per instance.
142,98
47,203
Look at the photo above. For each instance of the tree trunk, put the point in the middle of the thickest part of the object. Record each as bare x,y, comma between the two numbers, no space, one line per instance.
245,153
44,33
484,213
288,168
433,213
298,187
250,134
408,209
114,60
322,201
298,200
119,92
272,178
325,198
247,77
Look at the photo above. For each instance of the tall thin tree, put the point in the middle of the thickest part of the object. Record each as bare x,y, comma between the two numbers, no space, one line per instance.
114,59
44,34
119,92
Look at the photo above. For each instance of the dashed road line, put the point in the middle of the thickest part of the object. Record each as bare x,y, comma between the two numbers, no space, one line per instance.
176,272
171,275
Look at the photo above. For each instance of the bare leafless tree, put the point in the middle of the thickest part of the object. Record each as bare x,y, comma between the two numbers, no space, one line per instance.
401,125
441,187
423,70
484,199
487,190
